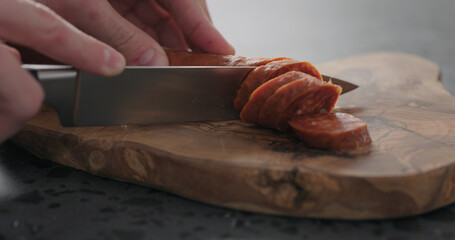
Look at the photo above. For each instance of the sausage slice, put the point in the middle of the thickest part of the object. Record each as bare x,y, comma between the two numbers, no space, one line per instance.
269,71
250,113
334,131
303,96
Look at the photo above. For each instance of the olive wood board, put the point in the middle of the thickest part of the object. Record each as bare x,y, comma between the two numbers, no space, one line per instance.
407,170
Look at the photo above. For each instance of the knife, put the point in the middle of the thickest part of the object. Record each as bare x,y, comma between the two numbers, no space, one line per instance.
144,95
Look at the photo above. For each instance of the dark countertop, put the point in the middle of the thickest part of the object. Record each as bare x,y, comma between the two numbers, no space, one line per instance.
43,200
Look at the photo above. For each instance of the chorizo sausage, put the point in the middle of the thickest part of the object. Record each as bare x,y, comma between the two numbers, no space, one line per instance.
268,68
283,93
334,131
303,96
269,71
321,100
250,113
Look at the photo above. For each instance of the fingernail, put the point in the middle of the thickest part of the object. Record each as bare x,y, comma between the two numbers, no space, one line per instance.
115,62
152,57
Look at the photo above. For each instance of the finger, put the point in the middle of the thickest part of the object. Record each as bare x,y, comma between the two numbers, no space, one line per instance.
159,22
12,51
151,18
206,9
156,22
20,95
196,26
99,19
43,30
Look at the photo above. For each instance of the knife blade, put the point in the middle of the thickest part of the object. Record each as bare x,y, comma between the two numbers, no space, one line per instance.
144,95
346,86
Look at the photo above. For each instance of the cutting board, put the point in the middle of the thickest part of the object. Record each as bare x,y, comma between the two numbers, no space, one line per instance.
409,168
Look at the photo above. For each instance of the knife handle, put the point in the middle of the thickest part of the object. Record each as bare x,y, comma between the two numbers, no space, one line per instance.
60,84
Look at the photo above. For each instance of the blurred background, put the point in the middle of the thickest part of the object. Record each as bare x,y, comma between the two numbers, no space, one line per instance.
324,30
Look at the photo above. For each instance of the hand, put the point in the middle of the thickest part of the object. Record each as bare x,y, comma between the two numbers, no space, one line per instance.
33,25
138,28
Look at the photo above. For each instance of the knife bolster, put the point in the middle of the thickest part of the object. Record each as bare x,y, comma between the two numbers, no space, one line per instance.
61,89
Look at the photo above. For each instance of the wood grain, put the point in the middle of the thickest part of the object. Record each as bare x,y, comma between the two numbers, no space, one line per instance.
408,170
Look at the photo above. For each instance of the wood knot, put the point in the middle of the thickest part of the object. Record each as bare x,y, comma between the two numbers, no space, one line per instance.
138,162
96,160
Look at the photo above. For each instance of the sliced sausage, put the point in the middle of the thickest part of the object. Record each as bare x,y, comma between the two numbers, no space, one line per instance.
334,131
250,113
298,98
268,71
268,68
282,93
321,100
